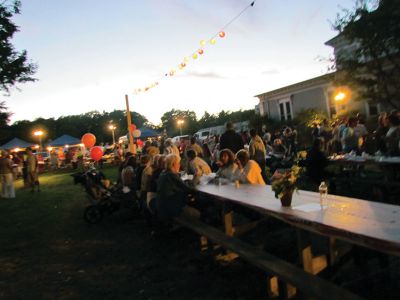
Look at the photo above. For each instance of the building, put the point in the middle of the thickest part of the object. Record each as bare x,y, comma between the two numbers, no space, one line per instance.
317,93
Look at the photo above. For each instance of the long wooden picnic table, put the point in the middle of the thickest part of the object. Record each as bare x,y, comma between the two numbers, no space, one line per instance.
369,224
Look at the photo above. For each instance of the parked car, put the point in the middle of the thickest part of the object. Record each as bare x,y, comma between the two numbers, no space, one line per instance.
177,139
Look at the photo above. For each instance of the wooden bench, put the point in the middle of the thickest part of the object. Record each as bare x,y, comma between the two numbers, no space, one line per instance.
287,273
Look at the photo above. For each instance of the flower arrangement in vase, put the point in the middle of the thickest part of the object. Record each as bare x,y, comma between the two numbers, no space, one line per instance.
284,184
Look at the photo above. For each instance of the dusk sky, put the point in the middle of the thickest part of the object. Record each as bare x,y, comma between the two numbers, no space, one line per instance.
91,53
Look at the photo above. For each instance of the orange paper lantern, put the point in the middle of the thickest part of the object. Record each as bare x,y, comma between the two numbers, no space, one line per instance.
201,51
88,139
221,34
96,153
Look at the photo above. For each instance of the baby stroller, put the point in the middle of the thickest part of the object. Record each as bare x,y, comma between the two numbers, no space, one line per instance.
104,198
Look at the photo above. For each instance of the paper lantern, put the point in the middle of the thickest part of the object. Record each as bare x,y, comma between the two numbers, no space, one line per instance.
172,73
180,67
186,59
183,65
195,56
139,143
221,34
88,139
96,153
133,127
136,133
213,41
202,42
201,51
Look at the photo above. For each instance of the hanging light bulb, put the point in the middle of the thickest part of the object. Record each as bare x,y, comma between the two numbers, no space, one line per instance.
202,42
221,34
201,51
213,41
195,56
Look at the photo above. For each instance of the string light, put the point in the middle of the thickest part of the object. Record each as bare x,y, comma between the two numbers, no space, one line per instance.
195,55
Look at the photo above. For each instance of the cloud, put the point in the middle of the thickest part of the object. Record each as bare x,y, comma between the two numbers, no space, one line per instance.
270,72
210,74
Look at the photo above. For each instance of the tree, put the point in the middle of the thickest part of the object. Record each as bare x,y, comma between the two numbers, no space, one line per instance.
371,64
4,115
14,66
170,118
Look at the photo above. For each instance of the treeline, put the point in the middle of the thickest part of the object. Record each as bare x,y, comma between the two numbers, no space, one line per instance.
98,124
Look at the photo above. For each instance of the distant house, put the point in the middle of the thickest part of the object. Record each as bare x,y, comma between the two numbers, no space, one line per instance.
316,93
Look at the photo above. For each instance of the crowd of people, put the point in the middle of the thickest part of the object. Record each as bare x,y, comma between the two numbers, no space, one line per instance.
9,169
155,181
350,134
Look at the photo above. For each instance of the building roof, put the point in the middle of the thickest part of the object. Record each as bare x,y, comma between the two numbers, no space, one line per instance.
300,85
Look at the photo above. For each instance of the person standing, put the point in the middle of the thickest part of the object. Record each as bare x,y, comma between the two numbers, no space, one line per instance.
6,176
230,139
33,170
349,139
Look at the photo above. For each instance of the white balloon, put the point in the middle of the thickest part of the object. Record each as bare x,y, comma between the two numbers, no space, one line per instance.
136,133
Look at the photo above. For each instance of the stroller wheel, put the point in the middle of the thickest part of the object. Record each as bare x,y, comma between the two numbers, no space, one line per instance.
93,214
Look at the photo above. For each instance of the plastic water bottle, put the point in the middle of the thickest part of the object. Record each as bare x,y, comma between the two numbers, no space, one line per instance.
323,193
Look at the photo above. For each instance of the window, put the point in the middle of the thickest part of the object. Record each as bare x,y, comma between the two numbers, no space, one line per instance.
285,110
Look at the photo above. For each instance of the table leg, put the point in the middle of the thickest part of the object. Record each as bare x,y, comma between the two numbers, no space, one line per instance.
311,264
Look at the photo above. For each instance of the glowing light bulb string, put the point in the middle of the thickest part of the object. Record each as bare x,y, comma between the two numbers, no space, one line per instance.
196,54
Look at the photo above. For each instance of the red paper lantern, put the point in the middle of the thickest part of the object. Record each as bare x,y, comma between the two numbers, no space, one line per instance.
201,51
221,34
133,127
96,153
88,139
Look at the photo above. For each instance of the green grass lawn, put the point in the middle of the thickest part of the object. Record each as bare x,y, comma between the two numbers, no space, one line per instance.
47,251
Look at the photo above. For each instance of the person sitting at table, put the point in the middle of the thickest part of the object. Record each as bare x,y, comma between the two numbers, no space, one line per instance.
393,135
380,133
197,166
227,165
316,161
257,151
172,192
248,170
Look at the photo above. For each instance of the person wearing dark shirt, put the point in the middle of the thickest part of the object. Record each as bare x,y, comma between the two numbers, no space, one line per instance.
316,162
172,192
231,140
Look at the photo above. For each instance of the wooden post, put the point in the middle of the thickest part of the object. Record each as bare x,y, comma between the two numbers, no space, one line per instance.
128,118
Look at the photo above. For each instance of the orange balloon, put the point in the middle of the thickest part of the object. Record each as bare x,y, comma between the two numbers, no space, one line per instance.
88,139
96,153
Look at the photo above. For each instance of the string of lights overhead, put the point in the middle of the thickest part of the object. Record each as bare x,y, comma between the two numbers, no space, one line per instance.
195,54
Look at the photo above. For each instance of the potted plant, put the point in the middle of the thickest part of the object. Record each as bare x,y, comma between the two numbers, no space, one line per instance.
284,184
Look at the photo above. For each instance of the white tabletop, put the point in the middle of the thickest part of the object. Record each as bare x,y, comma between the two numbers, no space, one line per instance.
371,224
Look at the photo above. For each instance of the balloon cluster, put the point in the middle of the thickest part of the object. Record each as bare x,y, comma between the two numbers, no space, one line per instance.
89,140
